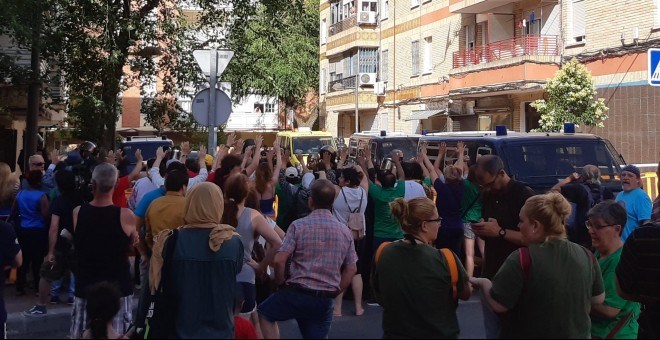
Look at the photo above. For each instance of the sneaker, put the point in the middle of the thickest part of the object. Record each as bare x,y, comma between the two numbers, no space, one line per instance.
36,311
69,301
55,299
372,303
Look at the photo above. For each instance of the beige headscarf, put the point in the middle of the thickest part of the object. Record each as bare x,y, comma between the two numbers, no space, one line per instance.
204,208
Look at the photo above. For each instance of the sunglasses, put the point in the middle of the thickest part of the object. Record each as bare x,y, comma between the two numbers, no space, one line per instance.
38,164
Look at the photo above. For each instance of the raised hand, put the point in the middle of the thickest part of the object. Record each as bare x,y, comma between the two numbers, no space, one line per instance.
202,154
185,148
259,140
443,148
231,139
110,157
138,156
54,156
160,153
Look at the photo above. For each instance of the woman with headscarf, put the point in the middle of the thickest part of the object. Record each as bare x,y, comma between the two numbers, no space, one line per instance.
206,258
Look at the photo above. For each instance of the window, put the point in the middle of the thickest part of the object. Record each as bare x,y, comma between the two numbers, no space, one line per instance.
368,60
369,5
270,108
323,81
385,9
578,16
415,58
428,55
324,31
341,10
414,3
469,37
384,65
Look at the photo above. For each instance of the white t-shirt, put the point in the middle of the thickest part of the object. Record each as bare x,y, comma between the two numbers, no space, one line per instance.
413,190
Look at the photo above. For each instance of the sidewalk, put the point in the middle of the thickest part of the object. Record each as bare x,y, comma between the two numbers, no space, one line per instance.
55,323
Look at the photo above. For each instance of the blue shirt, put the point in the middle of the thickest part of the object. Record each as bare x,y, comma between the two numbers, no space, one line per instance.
638,206
29,206
141,209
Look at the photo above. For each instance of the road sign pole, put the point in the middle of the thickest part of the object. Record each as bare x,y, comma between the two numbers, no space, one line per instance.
213,80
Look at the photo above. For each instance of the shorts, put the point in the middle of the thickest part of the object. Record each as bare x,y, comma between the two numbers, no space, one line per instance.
121,323
249,297
467,231
55,271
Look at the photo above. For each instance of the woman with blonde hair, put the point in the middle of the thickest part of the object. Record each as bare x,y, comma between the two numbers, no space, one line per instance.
8,189
417,299
548,287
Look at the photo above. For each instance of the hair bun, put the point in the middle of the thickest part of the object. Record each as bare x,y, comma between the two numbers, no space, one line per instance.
400,211
560,204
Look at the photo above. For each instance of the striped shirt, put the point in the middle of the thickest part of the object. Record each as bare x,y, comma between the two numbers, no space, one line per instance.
320,245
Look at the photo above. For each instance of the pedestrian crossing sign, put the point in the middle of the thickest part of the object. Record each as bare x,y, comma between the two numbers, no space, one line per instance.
654,66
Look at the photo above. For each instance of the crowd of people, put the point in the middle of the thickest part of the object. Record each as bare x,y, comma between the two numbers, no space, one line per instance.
201,241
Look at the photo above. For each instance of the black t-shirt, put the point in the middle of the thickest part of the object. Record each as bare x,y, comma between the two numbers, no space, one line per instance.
8,249
63,206
638,275
505,207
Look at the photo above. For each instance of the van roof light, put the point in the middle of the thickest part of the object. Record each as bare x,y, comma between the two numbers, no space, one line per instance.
569,127
500,130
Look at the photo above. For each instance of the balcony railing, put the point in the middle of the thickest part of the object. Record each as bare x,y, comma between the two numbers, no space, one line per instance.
528,45
347,83
342,25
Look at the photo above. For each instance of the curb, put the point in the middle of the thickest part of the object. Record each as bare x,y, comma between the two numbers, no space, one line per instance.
56,322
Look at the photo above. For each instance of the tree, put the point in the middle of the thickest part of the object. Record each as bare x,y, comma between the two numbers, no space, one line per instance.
276,49
571,100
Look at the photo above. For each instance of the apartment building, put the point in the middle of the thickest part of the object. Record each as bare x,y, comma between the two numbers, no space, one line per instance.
452,65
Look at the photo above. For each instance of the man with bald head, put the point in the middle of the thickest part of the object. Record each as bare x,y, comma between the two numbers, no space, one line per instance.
503,197
37,163
323,263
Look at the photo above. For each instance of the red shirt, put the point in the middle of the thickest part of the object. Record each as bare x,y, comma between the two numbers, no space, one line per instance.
211,177
119,197
243,329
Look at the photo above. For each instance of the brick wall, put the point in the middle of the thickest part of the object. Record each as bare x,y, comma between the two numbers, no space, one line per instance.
633,125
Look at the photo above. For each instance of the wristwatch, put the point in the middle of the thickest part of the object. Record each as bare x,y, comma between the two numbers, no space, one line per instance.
502,233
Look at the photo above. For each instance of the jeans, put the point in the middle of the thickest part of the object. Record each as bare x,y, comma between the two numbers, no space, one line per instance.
313,314
57,284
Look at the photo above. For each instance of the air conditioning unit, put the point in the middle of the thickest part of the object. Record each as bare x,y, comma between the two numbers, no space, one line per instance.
366,17
380,88
367,79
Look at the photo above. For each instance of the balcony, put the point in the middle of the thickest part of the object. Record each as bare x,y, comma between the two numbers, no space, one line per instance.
347,83
342,25
476,6
529,45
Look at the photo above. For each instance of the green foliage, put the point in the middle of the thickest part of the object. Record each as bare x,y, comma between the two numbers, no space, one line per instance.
276,46
571,100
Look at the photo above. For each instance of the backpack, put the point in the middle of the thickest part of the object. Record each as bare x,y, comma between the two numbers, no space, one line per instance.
428,190
355,220
288,215
451,261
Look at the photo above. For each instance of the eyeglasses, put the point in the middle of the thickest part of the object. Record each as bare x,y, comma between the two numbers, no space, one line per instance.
38,164
437,220
598,227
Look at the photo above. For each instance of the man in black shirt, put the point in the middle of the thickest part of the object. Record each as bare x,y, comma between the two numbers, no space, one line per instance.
503,198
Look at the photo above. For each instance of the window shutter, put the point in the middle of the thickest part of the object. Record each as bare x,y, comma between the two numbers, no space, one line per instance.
578,19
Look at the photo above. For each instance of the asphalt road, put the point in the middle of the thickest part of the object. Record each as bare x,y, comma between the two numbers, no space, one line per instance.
368,326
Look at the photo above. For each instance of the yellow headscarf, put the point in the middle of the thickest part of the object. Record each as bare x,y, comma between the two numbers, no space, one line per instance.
204,208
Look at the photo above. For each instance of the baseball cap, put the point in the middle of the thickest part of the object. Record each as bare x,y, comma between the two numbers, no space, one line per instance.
633,169
291,172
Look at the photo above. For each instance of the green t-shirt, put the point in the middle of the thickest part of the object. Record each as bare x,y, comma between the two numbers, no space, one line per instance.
417,299
471,202
385,225
556,301
600,328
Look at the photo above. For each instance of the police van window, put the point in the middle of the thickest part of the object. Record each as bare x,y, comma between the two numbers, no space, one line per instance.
551,161
352,148
310,144
374,146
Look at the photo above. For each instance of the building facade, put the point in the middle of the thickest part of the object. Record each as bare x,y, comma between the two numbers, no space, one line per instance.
452,65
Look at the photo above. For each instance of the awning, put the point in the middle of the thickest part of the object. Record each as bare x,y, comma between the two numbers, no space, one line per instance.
425,114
